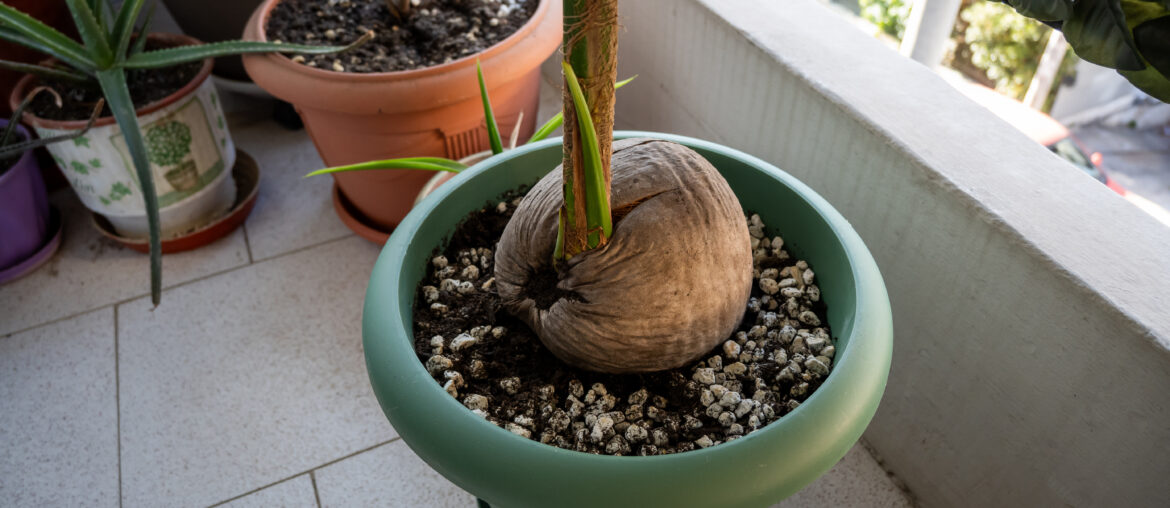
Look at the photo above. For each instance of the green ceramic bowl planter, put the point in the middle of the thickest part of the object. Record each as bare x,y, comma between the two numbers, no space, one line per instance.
510,471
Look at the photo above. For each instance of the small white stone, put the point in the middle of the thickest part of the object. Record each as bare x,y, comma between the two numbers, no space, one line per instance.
479,412
487,286
770,273
755,242
787,282
493,21
704,441
829,351
499,331
713,411
791,292
731,349
456,377
511,385
518,430
337,66
523,421
769,286
730,399
479,332
466,287
809,318
755,220
476,401
440,262
816,344
745,406
437,341
798,389
757,332
636,434
706,398
769,319
438,363
777,243
659,437
430,293
462,341
807,277
298,59
445,273
449,285
601,428
718,391
716,363
451,388
470,272
736,369
813,292
756,231
705,376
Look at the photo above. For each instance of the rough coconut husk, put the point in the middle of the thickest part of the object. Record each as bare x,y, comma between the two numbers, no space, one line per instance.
670,285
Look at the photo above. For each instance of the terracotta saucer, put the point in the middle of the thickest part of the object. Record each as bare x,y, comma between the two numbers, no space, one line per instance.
247,176
354,220
44,254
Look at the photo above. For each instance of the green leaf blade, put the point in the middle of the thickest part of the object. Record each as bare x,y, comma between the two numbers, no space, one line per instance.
1097,31
20,28
124,27
88,26
597,212
113,83
489,117
183,54
417,163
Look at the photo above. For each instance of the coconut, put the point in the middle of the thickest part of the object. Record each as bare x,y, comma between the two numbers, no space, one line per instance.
669,286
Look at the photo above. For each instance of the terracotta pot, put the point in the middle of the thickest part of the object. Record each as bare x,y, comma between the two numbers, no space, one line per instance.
194,189
433,111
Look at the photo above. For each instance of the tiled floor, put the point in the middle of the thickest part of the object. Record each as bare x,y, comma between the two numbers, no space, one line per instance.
246,387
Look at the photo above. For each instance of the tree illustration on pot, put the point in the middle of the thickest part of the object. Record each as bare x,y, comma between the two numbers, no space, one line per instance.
168,146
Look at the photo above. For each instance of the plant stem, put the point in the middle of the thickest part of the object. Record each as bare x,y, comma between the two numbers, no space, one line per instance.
590,48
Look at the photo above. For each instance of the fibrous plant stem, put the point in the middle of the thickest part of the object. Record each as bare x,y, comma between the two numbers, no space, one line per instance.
590,50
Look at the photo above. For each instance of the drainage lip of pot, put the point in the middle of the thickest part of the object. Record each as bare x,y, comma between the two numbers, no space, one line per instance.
356,222
247,176
42,255
759,469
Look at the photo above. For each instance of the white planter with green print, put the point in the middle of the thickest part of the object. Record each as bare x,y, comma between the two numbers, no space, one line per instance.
191,155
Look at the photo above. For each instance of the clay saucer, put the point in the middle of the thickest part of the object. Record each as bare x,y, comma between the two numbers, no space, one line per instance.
247,176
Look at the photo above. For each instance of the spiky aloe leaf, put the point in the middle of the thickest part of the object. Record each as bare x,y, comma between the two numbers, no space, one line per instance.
124,27
20,28
489,117
96,39
44,72
183,54
423,163
113,83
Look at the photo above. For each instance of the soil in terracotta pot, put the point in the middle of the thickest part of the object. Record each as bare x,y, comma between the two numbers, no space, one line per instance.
434,32
497,367
145,85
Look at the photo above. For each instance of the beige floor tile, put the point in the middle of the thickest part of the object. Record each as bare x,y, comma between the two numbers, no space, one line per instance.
294,493
390,475
291,212
58,425
91,271
246,378
856,481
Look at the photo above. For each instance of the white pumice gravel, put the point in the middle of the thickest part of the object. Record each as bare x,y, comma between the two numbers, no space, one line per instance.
781,353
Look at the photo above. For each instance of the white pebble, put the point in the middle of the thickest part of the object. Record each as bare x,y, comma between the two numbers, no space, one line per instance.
499,331
636,434
437,364
471,272
769,286
440,262
809,318
456,377
337,66
451,388
730,399
476,401
462,341
487,286
718,391
731,349
449,285
745,406
791,292
518,430
437,341
706,398
466,287
777,243
510,385
438,307
431,293
704,441
736,369
813,293
807,277
705,376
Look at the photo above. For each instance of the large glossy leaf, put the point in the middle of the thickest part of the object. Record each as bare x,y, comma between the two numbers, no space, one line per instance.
91,32
489,117
20,28
124,27
172,56
1151,31
1098,33
1043,10
113,82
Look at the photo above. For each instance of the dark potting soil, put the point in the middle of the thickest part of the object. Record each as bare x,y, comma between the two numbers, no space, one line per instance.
145,85
432,33
497,367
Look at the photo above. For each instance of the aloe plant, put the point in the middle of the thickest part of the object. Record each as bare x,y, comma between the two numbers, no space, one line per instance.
1131,36
110,49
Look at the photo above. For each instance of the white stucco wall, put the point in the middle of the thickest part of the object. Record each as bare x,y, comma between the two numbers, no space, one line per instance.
1031,306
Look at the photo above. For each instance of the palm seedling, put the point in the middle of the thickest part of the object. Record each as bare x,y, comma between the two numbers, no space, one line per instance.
110,50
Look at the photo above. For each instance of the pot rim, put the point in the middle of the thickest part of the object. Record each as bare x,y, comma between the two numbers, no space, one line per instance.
849,396
26,82
21,133
261,34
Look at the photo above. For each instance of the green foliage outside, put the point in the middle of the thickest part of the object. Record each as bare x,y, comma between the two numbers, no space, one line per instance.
888,15
1007,46
168,144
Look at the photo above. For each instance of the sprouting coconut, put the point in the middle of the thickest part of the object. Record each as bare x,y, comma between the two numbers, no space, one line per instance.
648,278
668,286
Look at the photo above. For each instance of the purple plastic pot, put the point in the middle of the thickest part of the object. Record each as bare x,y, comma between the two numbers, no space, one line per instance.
24,209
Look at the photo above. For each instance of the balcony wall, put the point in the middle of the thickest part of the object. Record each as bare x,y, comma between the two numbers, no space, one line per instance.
1031,312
